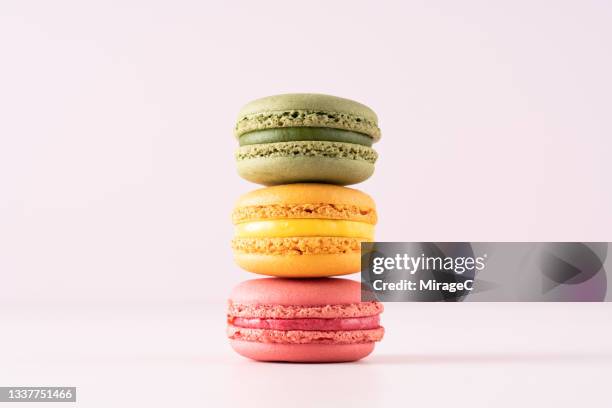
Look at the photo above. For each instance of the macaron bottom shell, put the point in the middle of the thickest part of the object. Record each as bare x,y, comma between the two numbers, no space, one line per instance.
302,353
271,171
300,266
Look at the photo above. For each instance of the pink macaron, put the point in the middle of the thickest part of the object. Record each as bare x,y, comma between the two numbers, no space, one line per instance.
302,320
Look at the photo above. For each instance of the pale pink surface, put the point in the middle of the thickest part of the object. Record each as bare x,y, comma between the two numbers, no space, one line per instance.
351,323
328,311
302,353
305,336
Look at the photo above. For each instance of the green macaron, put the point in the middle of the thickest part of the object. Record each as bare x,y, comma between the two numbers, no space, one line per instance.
296,138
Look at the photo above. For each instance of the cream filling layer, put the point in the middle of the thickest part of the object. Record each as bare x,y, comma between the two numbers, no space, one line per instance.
304,228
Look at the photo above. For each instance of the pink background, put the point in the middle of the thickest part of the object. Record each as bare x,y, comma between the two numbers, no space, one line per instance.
117,177
116,146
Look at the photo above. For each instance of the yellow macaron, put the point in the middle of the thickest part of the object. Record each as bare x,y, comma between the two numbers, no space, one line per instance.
302,230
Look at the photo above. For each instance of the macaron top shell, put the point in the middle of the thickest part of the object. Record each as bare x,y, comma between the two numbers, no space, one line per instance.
307,101
307,110
303,292
306,193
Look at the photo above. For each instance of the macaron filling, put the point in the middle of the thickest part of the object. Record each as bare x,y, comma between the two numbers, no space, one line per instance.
348,323
279,135
304,228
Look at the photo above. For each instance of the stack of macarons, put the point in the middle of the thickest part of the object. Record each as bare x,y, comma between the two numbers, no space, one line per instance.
303,229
